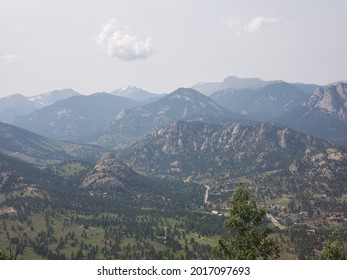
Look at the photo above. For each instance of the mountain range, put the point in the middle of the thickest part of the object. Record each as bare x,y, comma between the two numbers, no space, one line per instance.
309,108
30,147
129,171
262,132
262,104
78,118
236,83
19,105
231,82
183,103
137,94
263,153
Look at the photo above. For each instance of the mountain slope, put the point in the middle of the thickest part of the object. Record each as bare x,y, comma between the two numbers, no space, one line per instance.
262,104
78,118
323,114
48,98
183,103
263,153
109,173
136,94
19,105
22,144
231,82
14,173
332,100
15,105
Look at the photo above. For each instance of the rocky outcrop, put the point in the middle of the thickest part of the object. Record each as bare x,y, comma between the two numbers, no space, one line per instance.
332,100
265,153
111,173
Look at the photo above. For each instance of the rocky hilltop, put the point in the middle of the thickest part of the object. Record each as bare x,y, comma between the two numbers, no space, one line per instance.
263,153
109,173
332,100
323,114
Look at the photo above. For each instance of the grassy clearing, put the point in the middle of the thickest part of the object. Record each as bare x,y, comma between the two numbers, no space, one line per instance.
88,237
67,169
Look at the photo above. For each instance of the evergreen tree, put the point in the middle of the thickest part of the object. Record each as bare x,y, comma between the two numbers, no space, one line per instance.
3,256
249,239
333,249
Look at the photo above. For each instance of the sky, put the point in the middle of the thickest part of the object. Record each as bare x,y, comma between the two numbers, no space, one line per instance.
160,45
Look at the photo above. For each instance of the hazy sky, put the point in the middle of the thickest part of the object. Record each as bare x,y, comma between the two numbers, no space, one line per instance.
160,45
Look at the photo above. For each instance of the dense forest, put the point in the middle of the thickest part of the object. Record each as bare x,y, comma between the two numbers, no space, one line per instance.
63,221
167,220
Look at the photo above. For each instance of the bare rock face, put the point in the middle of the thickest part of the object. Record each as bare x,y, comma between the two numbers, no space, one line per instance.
332,100
111,173
265,153
323,114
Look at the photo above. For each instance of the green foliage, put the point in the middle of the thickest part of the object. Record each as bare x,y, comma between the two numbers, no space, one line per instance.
333,249
62,221
248,238
3,256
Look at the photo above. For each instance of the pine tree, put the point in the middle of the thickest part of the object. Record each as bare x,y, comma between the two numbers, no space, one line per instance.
333,249
249,239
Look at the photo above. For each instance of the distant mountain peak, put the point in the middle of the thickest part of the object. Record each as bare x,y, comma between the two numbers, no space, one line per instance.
134,93
183,103
187,92
14,96
129,88
183,90
236,79
189,102
14,105
230,82
78,118
48,98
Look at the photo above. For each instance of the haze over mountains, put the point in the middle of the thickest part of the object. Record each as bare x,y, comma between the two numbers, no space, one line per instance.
276,161
18,105
189,134
100,118
130,124
136,94
231,82
244,128
79,118
323,114
31,147
263,104
132,149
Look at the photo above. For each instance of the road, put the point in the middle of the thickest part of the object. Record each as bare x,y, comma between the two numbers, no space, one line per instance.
275,222
208,188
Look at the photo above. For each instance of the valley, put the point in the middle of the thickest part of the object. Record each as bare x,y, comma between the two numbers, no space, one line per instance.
132,175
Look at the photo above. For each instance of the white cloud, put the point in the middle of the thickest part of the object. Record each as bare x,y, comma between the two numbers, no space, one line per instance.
118,43
11,58
258,22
